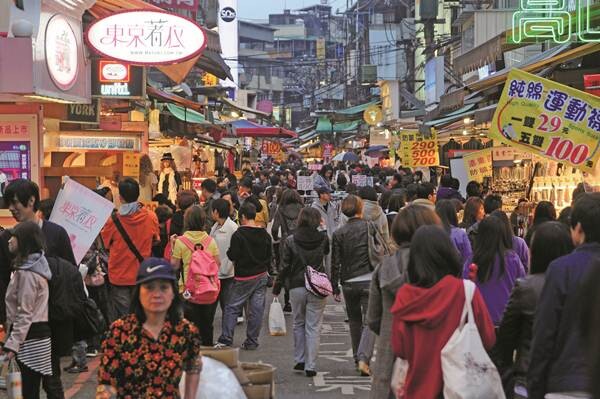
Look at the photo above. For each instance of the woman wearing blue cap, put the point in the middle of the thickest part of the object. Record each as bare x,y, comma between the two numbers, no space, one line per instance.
146,352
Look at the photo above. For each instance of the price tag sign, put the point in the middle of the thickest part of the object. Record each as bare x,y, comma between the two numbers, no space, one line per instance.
359,180
478,164
417,150
305,183
270,148
548,119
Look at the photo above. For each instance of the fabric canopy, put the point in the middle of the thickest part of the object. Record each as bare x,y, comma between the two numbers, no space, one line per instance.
246,128
324,126
186,114
453,116
357,109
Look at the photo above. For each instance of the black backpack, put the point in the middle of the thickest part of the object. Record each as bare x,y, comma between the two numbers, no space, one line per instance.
67,293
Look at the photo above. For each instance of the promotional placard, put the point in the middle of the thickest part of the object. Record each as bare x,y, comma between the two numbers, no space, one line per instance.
548,119
417,150
131,164
478,165
84,113
82,213
305,183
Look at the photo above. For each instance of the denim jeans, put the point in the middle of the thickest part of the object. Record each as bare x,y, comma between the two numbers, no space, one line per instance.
225,294
254,291
120,300
307,310
356,297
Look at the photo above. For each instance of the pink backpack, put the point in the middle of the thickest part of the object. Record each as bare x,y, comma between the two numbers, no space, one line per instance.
202,284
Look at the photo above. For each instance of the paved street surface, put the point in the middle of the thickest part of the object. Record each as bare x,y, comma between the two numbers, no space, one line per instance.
337,377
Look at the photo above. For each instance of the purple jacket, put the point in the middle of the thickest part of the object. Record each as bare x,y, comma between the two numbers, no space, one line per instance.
497,289
521,248
461,242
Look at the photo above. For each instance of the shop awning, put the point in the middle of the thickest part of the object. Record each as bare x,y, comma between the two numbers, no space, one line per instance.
357,109
244,108
186,114
246,128
452,116
479,56
212,62
172,98
324,126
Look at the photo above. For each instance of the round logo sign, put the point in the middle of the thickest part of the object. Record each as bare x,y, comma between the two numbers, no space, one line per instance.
227,14
373,115
144,37
61,52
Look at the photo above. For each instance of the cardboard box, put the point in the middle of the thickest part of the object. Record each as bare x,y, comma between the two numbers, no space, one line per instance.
240,375
258,391
228,356
259,373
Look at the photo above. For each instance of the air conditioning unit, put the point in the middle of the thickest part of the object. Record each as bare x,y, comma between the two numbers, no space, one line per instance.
368,74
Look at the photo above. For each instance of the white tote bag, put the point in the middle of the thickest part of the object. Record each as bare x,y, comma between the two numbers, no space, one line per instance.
468,371
399,373
276,319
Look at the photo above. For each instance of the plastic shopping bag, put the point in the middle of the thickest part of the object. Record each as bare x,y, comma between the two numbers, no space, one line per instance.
399,377
216,381
276,319
14,388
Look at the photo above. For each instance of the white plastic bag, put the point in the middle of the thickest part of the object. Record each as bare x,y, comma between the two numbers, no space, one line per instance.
468,371
14,388
276,319
398,381
216,381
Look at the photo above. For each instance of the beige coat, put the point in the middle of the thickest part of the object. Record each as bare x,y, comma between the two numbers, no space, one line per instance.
26,303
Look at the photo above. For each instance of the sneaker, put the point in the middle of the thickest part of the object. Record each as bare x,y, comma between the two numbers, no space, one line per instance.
240,320
287,308
249,347
220,345
364,369
299,367
76,369
70,366
310,373
92,353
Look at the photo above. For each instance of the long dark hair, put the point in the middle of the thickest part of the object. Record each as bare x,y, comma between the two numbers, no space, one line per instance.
490,243
508,231
472,207
30,239
550,240
174,313
446,210
432,257
544,212
290,196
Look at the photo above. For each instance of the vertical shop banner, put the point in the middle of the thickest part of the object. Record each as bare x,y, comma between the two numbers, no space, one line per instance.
321,51
305,183
418,150
327,153
82,213
548,119
478,164
131,164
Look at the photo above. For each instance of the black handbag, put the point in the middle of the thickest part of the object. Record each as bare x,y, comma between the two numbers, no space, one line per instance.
91,322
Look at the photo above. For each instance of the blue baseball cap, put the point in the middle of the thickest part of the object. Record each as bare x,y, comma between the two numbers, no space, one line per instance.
155,269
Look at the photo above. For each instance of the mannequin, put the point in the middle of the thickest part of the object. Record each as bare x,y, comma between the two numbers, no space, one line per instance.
169,181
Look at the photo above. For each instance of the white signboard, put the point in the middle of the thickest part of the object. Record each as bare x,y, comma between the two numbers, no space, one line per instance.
359,180
61,52
229,38
82,213
144,37
305,183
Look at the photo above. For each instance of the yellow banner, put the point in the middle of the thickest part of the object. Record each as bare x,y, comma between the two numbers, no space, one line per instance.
131,164
417,150
548,119
478,164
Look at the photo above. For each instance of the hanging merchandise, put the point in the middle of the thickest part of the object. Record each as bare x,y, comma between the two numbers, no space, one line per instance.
548,119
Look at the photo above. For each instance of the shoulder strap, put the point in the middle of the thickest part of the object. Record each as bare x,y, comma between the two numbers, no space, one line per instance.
206,242
186,241
126,238
469,288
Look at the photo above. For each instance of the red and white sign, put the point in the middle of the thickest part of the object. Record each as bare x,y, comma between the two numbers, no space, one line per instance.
592,84
191,5
113,72
61,52
144,37
327,152
270,148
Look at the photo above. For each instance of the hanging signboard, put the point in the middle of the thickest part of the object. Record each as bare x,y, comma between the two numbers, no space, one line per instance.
373,115
82,213
417,150
305,183
83,113
61,52
592,84
114,79
270,148
327,152
548,119
131,164
144,37
478,164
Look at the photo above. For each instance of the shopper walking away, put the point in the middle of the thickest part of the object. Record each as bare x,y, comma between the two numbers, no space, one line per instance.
306,247
202,315
329,219
388,277
146,352
429,309
447,212
27,294
544,212
513,241
250,252
350,259
222,231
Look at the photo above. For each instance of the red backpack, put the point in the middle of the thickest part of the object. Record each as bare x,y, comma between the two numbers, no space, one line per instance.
202,284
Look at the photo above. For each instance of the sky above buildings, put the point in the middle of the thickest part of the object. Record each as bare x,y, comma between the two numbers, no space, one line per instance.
260,9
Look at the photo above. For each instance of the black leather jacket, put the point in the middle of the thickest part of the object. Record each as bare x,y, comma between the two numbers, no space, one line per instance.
515,331
350,252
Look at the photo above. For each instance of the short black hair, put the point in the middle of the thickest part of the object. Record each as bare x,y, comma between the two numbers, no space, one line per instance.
209,185
247,210
586,211
222,207
446,180
491,203
22,190
274,180
46,206
473,189
397,177
424,190
432,257
550,240
247,183
367,193
455,184
174,313
129,189
411,191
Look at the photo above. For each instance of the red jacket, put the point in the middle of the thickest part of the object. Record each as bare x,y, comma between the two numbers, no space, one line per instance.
424,319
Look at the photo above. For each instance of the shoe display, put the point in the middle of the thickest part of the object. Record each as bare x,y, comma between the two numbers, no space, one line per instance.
310,373
364,369
299,367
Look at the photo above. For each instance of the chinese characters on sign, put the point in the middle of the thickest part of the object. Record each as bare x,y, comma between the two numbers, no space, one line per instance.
191,5
327,152
548,119
99,143
417,150
131,164
14,130
555,20
478,164
143,37
270,148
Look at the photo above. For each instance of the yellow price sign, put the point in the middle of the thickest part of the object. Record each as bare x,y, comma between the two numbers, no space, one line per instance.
548,119
131,164
478,164
416,150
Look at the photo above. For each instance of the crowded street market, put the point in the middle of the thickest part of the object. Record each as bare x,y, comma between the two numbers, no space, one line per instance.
384,199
